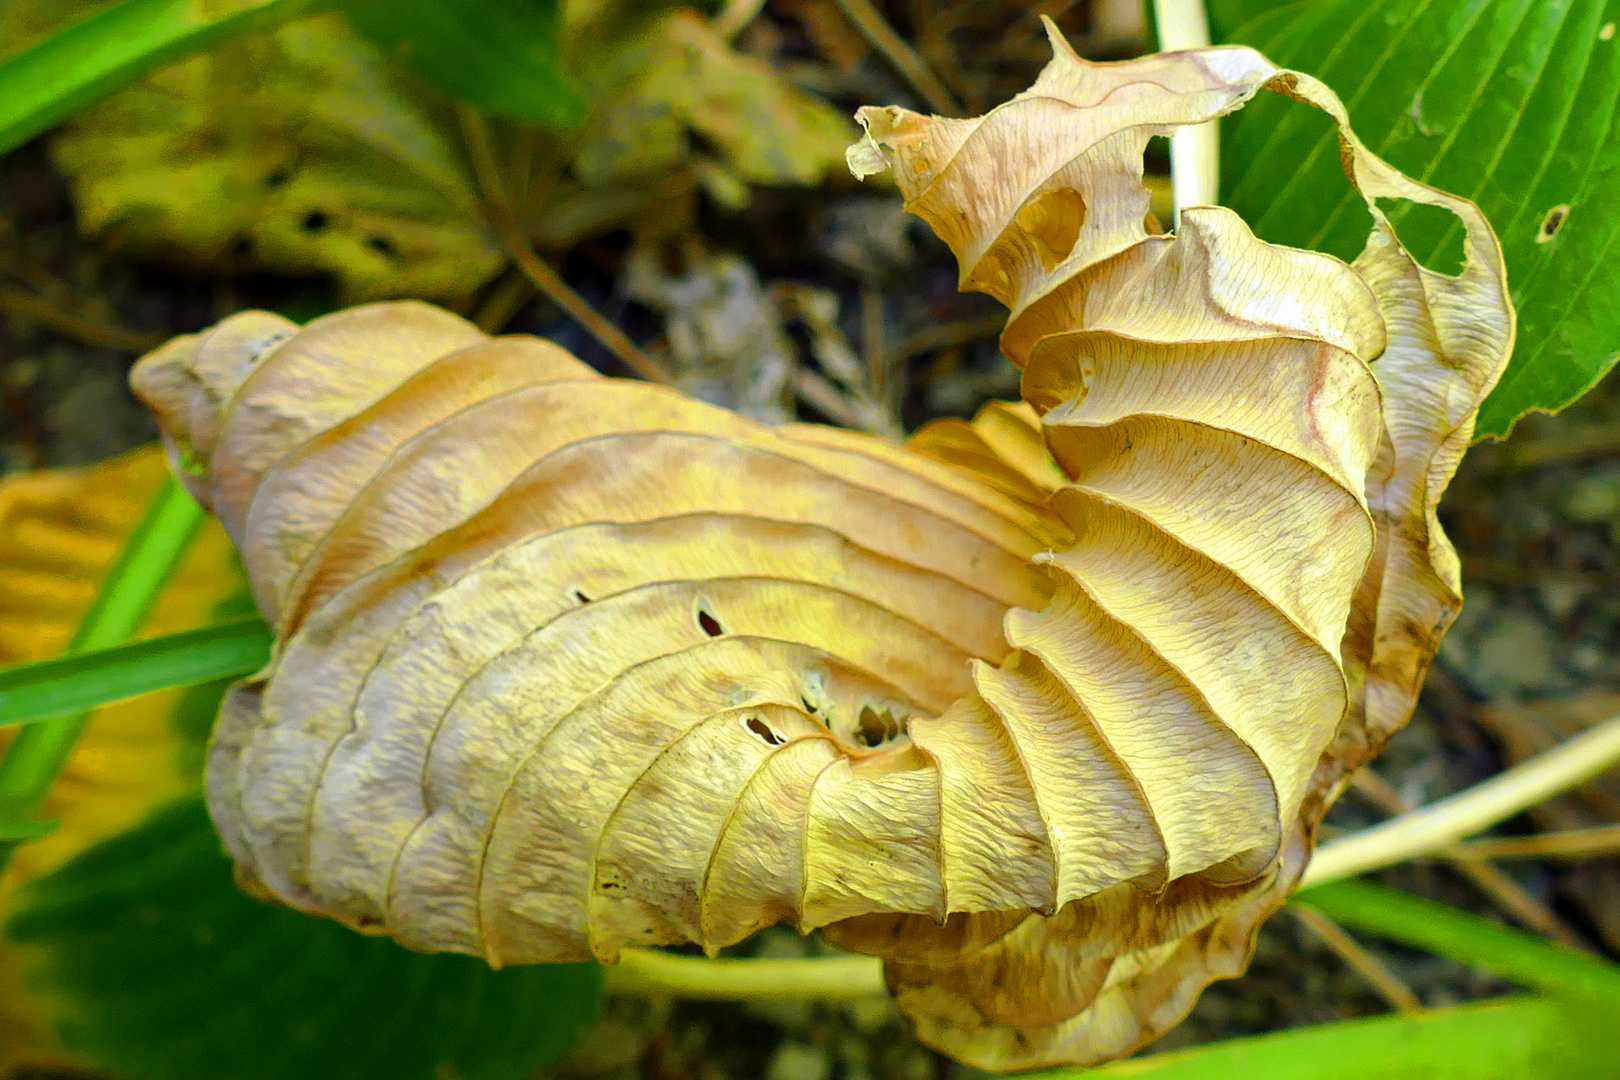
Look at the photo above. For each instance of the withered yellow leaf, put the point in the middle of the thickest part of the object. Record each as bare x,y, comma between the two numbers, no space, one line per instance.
1035,707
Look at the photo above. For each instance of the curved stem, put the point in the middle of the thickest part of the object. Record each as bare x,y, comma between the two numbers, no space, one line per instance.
836,978
1195,152
1439,825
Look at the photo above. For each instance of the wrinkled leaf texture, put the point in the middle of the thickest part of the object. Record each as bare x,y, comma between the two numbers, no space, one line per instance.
1034,707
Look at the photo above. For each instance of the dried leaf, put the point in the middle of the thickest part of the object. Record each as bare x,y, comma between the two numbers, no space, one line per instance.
1033,708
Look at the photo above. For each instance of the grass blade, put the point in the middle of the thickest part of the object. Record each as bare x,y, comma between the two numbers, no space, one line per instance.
36,755
1493,1040
33,693
1438,928
112,48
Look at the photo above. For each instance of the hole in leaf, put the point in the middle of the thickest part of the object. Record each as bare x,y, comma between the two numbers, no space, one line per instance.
764,731
876,726
1552,223
708,623
1282,175
1431,235
1053,219
581,597
314,221
809,708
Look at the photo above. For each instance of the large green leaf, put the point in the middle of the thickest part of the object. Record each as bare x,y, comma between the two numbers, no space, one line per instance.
500,55
168,972
1509,102
1495,1040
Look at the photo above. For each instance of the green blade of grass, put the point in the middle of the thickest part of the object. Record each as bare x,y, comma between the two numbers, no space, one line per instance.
112,48
1438,928
37,754
36,693
1493,1040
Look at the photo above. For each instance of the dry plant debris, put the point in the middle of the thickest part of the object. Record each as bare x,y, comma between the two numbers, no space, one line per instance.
1042,709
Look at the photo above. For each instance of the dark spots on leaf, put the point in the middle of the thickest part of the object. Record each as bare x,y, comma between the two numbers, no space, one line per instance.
278,179
708,623
384,247
580,597
1552,223
315,221
759,727
241,247
809,708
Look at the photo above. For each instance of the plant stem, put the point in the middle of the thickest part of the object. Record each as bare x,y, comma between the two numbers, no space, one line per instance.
1573,844
877,31
481,152
1195,152
1435,827
830,978
39,751
1377,974
1507,893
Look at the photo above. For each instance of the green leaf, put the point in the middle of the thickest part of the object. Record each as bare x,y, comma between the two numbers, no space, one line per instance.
1512,103
1225,16
70,684
112,48
1494,1040
168,972
1438,928
501,55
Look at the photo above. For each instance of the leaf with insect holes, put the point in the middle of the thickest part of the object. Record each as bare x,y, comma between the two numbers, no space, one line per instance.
1034,707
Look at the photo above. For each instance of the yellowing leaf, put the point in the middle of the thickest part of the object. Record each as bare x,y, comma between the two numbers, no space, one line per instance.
306,150
768,132
1034,708
59,533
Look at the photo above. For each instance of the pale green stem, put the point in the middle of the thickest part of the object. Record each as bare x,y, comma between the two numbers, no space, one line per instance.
828,978
1433,828
1195,152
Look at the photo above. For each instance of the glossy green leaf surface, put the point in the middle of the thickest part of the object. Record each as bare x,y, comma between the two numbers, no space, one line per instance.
70,684
112,48
502,56
1512,103
1493,1040
169,972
